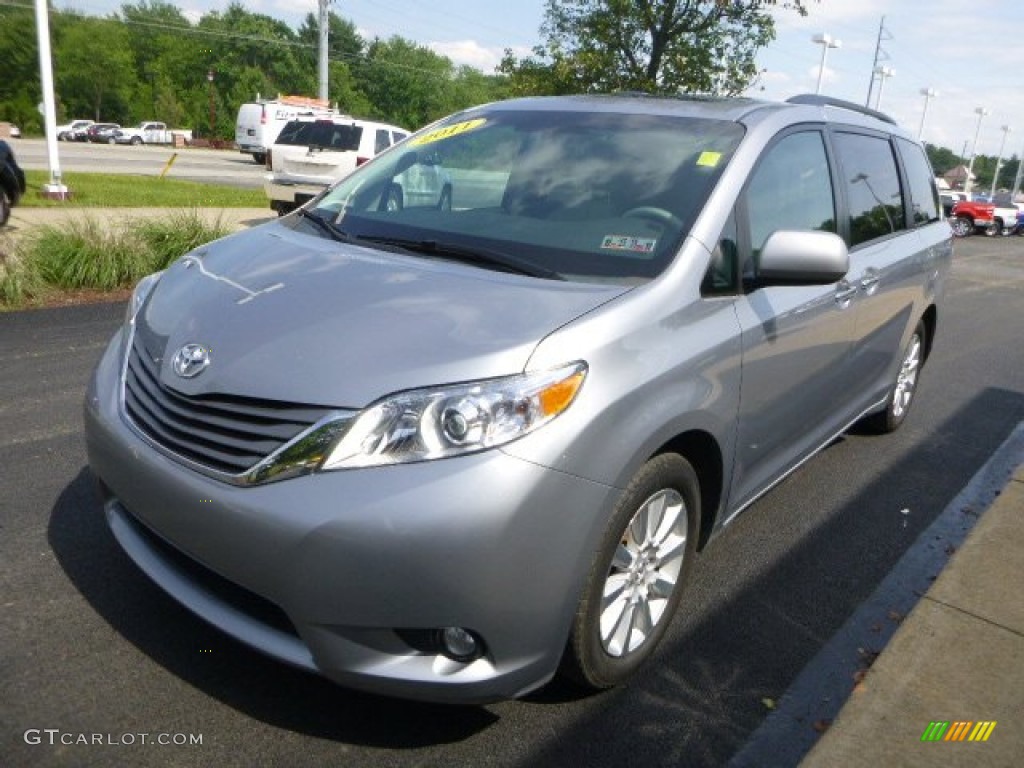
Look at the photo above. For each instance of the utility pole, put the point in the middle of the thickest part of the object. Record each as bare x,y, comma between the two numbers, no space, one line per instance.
880,56
322,68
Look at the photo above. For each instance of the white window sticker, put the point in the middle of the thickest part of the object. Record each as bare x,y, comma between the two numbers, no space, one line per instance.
629,243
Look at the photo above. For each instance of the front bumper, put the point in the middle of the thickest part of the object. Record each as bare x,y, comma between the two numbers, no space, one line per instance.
489,542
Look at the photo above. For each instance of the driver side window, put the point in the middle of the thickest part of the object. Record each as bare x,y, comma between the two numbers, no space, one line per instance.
791,189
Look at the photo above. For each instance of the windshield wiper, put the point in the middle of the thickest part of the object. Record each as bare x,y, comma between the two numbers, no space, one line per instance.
481,256
325,226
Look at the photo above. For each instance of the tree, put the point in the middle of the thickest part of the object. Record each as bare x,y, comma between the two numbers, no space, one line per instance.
655,46
93,68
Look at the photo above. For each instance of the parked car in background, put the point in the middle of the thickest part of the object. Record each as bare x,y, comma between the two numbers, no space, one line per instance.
80,134
14,131
12,182
102,133
446,452
968,216
150,132
1005,214
312,153
67,131
260,122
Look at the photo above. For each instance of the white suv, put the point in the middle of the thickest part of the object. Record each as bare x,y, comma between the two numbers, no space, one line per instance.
311,153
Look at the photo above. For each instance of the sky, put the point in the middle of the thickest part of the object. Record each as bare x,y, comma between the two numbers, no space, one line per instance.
969,52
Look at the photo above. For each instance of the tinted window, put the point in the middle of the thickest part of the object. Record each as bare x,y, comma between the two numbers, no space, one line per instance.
924,197
872,186
791,189
324,134
381,141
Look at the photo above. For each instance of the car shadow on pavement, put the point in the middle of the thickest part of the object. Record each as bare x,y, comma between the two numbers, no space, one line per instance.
241,678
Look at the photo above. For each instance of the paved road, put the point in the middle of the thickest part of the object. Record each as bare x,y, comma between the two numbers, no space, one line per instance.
89,646
210,165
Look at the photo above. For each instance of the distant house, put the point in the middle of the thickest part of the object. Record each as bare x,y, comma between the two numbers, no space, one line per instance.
956,177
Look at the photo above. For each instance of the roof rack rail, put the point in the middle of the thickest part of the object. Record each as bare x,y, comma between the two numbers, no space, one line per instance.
827,101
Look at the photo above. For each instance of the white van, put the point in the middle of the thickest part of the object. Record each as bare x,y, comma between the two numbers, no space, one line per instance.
259,122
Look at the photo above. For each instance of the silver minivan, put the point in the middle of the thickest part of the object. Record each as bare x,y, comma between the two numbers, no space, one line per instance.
445,449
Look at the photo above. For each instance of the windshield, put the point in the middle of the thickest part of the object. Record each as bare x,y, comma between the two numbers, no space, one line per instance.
584,195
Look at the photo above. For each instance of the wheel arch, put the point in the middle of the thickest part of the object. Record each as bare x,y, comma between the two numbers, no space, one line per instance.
930,318
702,450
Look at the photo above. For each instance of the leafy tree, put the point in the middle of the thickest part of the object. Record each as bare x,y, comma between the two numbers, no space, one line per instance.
406,83
655,46
93,68
942,159
19,83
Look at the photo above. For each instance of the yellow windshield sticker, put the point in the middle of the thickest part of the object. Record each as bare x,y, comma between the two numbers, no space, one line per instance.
447,132
709,159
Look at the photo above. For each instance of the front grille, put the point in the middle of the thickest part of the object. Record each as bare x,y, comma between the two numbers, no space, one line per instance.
225,433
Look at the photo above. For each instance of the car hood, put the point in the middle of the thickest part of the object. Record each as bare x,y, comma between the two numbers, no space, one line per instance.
294,317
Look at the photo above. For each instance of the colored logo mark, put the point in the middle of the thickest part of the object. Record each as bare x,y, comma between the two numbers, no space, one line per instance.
958,730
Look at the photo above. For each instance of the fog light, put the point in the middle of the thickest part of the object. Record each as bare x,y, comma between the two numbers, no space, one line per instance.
460,644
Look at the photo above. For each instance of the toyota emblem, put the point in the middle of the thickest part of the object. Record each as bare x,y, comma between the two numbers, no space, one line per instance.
191,360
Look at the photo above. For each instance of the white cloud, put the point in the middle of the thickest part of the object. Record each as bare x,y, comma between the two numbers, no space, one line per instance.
473,54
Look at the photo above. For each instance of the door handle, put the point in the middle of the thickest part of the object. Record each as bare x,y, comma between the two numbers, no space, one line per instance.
845,293
869,283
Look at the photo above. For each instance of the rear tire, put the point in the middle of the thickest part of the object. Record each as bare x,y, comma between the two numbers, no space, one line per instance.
5,208
637,575
136,141
260,158
901,396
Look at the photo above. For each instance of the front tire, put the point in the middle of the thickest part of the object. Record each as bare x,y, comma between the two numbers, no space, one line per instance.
962,227
637,576
902,394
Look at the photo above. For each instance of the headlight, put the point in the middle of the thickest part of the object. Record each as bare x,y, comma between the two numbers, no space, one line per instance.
142,289
448,421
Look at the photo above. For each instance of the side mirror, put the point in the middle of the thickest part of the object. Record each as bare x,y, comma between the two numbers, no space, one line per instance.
791,257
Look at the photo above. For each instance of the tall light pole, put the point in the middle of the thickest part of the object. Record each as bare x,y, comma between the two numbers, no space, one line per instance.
55,189
980,112
999,158
826,41
929,94
883,74
1020,173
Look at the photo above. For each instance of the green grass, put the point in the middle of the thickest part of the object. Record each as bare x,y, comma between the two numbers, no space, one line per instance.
109,190
20,280
85,254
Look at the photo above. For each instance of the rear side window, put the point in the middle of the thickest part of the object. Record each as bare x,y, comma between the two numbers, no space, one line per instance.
382,141
924,197
872,186
791,189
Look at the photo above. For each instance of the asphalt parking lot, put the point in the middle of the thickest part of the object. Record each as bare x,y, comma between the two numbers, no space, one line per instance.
91,647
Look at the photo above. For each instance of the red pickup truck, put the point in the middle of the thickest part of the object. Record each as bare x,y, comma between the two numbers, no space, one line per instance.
968,216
